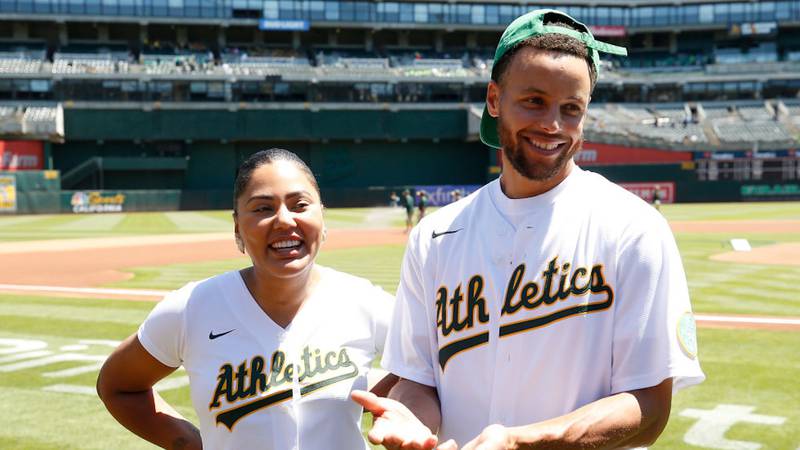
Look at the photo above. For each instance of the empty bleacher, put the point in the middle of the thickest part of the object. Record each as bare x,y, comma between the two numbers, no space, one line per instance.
20,62
89,63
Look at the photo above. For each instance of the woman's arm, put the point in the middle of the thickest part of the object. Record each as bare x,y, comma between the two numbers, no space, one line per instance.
125,385
382,382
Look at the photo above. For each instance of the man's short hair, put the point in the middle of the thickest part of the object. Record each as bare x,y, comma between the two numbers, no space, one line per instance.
552,42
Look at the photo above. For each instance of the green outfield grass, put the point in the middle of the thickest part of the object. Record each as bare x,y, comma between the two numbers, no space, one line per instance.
750,368
733,211
48,226
757,369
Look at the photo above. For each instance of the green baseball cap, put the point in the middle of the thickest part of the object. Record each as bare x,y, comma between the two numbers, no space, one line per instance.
532,25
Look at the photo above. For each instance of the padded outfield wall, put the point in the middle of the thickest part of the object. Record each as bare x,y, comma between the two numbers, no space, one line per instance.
358,155
354,153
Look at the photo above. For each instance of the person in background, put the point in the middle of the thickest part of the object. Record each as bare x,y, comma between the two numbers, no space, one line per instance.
408,204
422,204
657,197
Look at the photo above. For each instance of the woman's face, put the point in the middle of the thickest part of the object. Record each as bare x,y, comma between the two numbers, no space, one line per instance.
279,220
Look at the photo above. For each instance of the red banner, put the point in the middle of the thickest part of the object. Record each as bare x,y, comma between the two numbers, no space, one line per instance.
598,154
21,155
646,191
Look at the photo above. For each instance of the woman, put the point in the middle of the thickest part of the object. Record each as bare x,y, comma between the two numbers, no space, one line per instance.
272,351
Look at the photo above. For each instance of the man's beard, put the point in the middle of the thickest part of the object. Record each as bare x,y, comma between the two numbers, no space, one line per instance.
515,154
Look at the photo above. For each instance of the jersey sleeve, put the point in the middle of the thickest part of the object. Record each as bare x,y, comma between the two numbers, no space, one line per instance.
162,333
408,346
654,329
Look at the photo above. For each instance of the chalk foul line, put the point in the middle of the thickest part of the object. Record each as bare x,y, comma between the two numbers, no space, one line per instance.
747,320
83,290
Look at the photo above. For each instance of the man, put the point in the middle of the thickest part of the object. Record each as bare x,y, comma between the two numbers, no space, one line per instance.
657,197
550,308
408,203
422,204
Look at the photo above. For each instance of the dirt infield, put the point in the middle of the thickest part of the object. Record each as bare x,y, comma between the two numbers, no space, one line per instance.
779,254
94,262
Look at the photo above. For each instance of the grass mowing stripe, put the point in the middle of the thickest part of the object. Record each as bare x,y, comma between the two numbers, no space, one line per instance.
63,312
96,222
30,443
102,304
767,291
195,221
15,221
86,424
733,211
149,223
713,302
79,329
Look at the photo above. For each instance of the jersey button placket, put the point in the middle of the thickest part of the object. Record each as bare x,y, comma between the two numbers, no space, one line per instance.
502,253
499,252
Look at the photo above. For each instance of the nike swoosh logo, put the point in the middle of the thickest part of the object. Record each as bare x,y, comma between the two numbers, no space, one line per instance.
435,234
212,336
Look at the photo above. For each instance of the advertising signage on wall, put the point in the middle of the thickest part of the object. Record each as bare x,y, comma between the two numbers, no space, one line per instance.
745,154
21,155
776,191
96,202
646,191
603,154
283,25
8,193
441,195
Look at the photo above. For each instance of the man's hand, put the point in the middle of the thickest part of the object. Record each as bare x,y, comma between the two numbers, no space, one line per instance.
394,426
493,437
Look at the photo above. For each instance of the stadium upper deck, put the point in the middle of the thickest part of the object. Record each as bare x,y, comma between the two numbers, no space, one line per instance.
495,14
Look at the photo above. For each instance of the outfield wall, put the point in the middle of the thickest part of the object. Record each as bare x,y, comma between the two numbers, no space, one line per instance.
358,156
351,151
211,165
688,189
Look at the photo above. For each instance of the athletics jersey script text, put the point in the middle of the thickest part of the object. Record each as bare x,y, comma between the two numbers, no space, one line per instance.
559,284
252,378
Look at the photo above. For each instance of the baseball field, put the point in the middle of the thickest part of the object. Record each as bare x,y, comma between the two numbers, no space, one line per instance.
72,286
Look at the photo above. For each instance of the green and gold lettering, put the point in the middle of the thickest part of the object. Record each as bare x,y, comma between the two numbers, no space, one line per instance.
511,290
241,373
573,282
224,381
258,381
476,304
552,269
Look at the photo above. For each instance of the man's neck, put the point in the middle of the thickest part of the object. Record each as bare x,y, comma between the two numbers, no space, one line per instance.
515,185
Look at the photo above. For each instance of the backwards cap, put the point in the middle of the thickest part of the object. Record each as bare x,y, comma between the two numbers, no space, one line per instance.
532,25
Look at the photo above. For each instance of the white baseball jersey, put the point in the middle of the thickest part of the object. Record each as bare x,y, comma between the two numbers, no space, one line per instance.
257,385
523,310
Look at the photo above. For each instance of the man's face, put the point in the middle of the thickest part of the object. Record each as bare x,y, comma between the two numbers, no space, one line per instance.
540,104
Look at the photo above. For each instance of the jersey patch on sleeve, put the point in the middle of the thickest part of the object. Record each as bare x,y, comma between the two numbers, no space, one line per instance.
687,334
